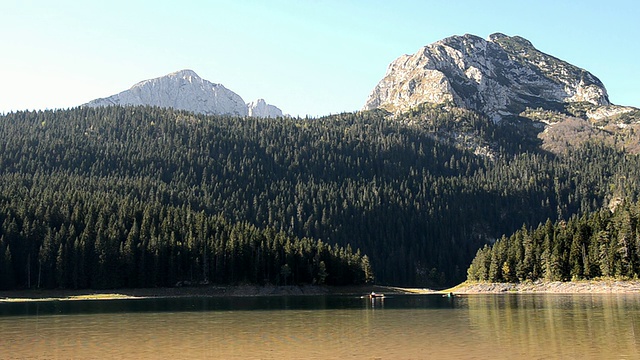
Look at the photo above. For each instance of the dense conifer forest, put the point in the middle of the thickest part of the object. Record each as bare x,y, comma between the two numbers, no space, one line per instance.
142,196
601,244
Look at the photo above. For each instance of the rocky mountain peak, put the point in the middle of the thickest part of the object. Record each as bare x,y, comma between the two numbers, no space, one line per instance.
186,73
260,108
183,90
499,76
505,39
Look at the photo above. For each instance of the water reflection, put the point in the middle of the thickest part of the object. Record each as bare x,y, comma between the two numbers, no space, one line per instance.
249,303
567,326
405,327
374,303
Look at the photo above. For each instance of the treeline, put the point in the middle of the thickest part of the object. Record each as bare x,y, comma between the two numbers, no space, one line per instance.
411,192
601,244
54,236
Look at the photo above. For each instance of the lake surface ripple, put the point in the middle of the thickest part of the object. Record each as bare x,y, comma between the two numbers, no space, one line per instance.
509,326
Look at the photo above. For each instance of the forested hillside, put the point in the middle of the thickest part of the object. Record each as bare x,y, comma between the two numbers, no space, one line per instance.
602,244
157,195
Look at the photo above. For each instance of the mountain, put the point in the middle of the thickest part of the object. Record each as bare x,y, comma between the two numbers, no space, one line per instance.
260,108
499,76
185,90
506,77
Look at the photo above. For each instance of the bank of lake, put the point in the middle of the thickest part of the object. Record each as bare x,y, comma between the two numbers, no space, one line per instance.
600,286
558,287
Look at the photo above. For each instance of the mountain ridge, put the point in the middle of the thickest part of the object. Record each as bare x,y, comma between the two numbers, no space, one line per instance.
185,90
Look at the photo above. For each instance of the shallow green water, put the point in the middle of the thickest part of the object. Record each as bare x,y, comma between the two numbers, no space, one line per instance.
327,327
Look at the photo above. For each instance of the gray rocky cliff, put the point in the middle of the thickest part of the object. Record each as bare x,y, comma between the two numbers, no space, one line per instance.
499,76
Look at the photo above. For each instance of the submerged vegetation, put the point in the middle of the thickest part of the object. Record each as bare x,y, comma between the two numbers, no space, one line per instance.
142,196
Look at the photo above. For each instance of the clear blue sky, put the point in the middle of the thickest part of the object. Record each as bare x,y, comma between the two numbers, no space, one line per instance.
310,57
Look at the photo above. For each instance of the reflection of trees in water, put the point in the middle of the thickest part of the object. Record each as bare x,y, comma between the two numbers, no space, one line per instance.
593,325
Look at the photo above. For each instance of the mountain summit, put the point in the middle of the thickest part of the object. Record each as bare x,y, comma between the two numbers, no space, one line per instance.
500,76
185,90
260,108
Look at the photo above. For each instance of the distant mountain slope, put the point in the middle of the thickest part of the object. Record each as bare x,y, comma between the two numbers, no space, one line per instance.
185,90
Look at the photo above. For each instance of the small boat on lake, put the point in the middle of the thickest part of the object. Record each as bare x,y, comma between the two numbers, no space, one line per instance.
375,295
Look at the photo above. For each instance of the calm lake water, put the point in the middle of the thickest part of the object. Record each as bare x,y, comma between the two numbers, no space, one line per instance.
327,327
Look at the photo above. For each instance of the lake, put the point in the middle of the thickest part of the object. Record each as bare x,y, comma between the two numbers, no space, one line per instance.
509,326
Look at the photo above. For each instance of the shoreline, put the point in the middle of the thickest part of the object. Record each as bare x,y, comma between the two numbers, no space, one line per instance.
607,286
468,288
35,295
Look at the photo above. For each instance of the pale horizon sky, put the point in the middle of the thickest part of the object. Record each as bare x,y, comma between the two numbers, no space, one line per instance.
314,57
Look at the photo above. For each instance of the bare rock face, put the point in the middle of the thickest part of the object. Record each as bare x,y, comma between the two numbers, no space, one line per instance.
260,108
184,90
499,76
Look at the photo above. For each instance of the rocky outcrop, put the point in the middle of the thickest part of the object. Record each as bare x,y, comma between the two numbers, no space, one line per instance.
499,76
610,111
185,90
260,108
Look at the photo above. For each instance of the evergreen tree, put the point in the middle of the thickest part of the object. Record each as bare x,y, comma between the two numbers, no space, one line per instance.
154,195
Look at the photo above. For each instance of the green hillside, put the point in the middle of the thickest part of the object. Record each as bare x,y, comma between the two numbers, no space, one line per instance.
140,196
